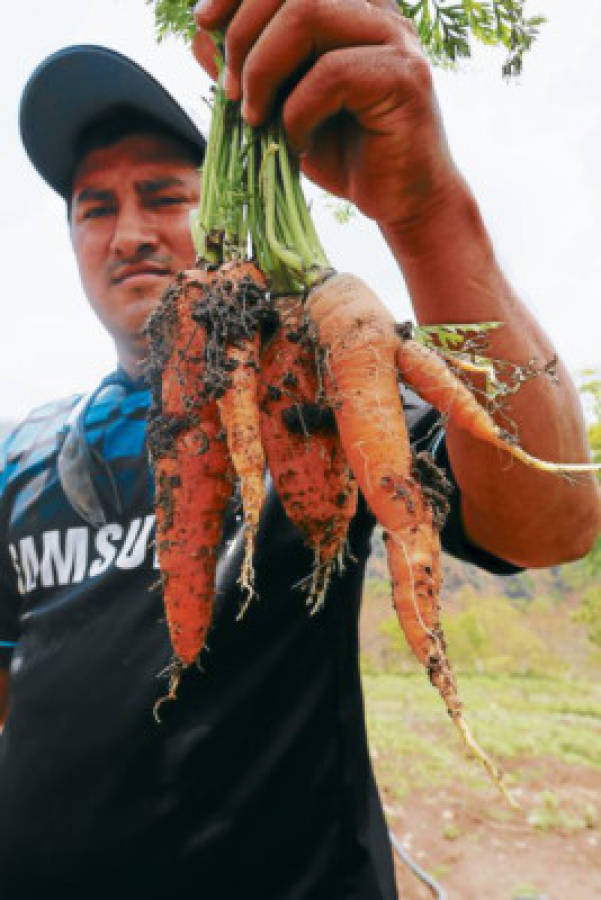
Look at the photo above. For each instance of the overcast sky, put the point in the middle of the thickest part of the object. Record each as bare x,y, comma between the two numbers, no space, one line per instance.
530,150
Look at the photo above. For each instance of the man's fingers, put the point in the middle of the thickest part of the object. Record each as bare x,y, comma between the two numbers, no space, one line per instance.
243,23
204,51
390,5
243,32
299,33
268,43
369,83
212,14
252,18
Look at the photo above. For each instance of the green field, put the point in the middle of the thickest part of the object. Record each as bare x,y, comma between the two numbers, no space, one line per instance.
415,746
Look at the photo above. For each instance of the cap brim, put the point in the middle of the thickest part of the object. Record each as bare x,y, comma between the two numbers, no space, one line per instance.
75,86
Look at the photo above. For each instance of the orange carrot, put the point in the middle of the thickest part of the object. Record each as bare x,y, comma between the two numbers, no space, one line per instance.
306,461
414,565
423,369
192,468
235,303
358,336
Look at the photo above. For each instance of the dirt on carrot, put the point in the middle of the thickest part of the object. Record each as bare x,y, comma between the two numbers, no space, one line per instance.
304,452
237,284
192,468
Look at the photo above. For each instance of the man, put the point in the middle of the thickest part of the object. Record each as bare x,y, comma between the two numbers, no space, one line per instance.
257,783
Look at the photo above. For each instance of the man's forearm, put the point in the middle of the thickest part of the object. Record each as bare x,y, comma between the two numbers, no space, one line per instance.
452,276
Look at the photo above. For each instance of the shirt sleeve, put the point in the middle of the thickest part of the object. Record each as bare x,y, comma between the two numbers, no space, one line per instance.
9,614
453,537
9,597
427,433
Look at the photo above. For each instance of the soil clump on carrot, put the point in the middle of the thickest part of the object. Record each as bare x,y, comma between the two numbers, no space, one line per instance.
231,314
435,485
303,447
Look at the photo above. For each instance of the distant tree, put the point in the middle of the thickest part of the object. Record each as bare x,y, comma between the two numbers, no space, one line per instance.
591,389
445,27
589,611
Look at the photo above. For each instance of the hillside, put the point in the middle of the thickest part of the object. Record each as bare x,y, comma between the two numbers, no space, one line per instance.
519,623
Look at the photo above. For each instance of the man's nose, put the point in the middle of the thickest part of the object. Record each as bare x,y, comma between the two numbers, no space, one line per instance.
133,233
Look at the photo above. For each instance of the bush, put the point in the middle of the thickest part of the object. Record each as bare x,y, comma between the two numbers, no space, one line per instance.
488,635
589,613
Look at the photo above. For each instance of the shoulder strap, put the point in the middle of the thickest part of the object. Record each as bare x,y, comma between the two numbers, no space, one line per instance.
75,467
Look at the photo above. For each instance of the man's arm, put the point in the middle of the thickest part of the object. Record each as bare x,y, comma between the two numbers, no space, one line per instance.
363,116
527,517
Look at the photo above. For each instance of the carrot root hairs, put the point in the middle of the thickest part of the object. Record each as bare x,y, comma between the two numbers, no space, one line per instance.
175,674
423,369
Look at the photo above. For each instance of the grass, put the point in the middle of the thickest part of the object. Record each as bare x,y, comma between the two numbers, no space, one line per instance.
526,892
529,678
548,815
451,831
414,744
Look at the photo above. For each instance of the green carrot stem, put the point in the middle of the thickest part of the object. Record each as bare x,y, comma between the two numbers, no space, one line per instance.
302,223
319,254
232,195
251,188
206,221
294,230
267,176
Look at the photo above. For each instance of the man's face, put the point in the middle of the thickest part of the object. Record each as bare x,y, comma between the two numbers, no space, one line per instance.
130,230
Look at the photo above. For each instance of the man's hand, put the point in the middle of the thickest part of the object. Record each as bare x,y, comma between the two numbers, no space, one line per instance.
358,104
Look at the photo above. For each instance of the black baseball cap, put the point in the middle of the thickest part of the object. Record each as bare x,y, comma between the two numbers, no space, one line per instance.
79,85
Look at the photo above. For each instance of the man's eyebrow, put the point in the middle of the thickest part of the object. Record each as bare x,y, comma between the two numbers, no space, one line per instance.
94,194
153,185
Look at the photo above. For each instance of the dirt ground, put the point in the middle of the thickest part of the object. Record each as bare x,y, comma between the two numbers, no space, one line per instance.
478,850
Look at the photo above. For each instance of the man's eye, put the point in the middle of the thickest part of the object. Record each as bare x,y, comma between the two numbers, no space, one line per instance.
165,201
96,212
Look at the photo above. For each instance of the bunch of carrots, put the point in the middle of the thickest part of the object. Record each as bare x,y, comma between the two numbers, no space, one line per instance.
263,356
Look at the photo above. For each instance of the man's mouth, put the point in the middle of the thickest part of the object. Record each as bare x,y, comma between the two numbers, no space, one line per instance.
130,272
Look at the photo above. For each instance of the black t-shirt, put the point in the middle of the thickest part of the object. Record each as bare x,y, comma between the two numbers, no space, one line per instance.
257,783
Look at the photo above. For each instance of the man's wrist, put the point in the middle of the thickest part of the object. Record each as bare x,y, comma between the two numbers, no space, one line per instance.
449,218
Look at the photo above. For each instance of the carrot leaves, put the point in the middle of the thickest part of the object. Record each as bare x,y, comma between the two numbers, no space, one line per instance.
446,27
173,17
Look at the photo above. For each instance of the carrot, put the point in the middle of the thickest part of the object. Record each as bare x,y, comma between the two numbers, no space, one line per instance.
358,336
191,465
414,564
423,369
232,308
252,200
303,449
